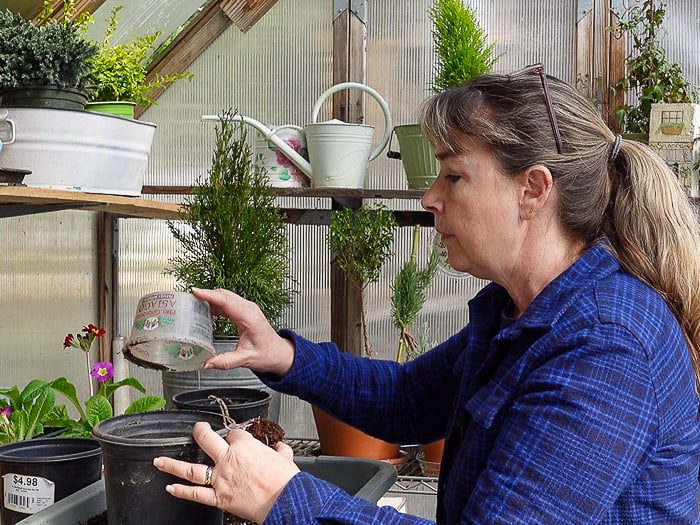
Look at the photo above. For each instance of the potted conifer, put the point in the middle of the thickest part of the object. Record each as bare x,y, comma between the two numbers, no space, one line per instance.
461,52
361,242
45,64
232,235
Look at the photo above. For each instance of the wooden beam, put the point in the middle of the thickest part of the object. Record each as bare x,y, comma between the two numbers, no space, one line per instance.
600,57
22,200
106,283
81,6
191,42
245,13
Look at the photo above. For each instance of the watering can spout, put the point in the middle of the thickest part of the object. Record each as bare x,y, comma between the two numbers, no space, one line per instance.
268,134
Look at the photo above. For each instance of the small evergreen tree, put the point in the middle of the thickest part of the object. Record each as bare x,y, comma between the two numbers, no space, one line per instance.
461,49
232,234
360,240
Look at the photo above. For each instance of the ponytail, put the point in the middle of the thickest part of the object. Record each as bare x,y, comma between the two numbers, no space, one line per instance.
655,234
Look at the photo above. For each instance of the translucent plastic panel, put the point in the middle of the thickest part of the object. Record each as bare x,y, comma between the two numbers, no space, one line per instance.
49,288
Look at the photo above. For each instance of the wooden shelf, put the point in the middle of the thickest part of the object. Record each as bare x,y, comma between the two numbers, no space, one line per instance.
24,200
340,197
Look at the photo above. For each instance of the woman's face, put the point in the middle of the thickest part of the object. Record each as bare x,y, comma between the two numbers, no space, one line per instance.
476,209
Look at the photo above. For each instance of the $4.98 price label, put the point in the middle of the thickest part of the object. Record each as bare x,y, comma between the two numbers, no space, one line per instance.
27,494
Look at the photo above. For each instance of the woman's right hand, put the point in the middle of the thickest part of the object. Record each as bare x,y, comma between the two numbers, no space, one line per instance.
259,347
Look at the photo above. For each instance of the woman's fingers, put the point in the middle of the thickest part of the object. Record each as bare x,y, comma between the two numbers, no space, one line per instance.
195,473
202,476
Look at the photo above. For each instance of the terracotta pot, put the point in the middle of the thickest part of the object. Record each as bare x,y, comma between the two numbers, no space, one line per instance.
429,458
433,451
340,439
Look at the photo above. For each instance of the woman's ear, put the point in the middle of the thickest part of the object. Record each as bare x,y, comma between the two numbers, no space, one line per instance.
536,187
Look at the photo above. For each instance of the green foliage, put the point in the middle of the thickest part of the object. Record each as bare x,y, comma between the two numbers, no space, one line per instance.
98,407
460,45
30,410
55,53
34,408
120,70
360,240
232,234
407,300
650,76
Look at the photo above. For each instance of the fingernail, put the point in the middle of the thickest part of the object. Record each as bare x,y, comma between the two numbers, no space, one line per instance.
156,461
169,489
208,366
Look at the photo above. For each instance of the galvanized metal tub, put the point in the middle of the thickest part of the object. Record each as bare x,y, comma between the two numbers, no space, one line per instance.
77,150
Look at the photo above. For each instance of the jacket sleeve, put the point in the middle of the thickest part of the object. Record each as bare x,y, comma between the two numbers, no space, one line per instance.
309,500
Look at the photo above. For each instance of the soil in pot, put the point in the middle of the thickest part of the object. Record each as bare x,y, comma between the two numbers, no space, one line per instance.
242,403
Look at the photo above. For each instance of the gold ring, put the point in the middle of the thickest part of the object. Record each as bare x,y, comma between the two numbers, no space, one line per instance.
207,477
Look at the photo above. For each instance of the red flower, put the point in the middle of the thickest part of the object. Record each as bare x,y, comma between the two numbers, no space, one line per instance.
94,331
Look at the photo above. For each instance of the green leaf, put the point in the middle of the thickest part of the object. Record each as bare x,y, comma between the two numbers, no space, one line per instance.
97,408
145,404
109,388
65,387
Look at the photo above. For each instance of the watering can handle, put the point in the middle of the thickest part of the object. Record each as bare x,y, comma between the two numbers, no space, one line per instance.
11,123
388,126
286,126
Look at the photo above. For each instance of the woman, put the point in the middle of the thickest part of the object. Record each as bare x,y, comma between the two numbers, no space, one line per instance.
571,395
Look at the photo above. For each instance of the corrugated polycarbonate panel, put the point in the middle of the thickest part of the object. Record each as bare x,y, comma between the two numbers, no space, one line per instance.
141,18
530,32
680,38
49,288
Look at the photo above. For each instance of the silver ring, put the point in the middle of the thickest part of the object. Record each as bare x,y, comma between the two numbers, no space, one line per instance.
207,477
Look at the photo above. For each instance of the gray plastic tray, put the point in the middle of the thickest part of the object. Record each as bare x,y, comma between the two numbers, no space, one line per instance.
365,478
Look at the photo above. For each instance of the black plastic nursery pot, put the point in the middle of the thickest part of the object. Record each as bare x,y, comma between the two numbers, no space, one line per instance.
135,489
242,403
36,473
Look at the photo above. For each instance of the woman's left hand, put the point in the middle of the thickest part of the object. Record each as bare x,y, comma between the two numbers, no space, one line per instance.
247,476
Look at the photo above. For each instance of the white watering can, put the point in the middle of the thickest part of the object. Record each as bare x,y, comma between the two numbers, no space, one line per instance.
339,152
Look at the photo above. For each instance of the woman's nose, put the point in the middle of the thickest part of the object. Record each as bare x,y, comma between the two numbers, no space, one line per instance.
429,200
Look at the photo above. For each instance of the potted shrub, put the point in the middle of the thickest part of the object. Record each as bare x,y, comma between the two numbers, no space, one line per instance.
120,73
232,235
360,241
650,76
45,79
407,300
461,52
45,64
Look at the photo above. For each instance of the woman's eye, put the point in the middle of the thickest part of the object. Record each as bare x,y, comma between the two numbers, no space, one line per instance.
452,178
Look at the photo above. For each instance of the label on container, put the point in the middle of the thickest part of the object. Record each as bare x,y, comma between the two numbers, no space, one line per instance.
27,494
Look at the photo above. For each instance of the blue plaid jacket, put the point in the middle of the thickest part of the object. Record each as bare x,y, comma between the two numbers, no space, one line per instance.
581,411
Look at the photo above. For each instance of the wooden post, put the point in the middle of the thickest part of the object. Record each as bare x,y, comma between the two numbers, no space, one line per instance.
107,268
349,65
600,56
